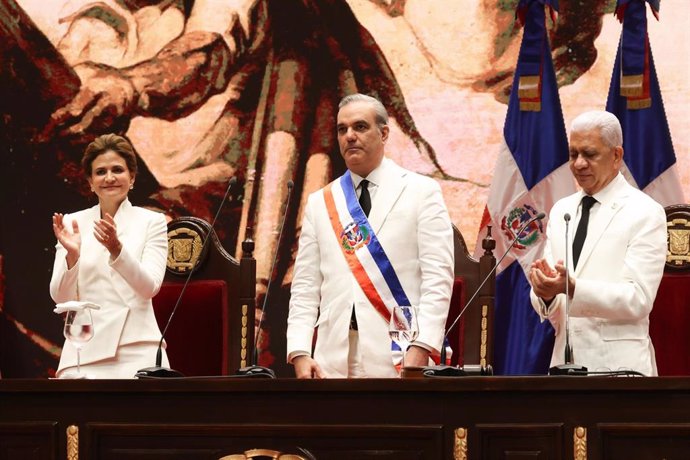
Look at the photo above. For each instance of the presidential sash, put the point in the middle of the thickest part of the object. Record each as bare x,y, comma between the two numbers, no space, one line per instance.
364,254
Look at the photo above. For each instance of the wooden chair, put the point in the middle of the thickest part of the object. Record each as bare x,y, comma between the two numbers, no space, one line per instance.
669,321
212,331
472,337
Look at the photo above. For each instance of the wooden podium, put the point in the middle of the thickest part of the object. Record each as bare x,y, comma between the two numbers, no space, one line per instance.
451,418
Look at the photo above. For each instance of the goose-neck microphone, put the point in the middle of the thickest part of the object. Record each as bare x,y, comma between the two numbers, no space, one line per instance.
569,367
539,216
254,368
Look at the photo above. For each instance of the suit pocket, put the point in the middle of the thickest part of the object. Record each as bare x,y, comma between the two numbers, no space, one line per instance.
624,331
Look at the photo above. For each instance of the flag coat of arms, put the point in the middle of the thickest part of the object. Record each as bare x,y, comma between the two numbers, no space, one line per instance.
531,174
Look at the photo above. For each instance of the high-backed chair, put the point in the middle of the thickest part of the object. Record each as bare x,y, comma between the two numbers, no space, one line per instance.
212,332
472,337
669,321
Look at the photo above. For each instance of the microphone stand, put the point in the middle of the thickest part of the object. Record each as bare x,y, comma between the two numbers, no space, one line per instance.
158,370
443,369
569,368
254,369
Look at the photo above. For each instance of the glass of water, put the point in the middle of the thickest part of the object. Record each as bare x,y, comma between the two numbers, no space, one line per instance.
78,330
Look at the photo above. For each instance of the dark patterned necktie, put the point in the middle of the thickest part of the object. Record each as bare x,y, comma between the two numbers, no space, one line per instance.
581,232
364,197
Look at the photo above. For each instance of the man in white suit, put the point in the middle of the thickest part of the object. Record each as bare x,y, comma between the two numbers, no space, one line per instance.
352,267
618,255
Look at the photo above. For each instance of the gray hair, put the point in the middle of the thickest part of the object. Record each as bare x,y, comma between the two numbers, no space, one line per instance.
381,113
607,123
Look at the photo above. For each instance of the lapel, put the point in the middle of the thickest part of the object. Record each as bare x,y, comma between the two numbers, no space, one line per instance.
601,221
123,220
86,226
121,217
393,182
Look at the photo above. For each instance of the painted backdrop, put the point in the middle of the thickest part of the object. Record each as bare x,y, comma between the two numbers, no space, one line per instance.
248,89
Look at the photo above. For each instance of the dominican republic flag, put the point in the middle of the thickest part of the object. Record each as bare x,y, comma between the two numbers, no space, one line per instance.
635,98
531,174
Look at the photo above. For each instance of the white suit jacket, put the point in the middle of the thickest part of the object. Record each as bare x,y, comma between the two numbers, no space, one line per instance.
412,224
122,287
617,276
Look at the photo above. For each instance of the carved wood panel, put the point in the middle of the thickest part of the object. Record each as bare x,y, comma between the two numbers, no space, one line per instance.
669,441
516,441
28,440
156,441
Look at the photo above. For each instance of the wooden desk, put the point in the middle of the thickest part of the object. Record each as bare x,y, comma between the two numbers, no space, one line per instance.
471,417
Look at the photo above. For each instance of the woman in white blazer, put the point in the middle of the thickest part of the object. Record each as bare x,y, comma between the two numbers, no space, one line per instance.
114,255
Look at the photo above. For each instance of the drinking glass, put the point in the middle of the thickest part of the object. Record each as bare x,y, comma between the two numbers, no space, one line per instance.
403,328
78,330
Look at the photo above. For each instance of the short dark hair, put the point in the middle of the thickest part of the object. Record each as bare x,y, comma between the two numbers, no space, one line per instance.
102,144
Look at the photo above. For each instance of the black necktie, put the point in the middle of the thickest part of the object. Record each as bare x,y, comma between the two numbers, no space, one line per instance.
365,203
581,232
364,197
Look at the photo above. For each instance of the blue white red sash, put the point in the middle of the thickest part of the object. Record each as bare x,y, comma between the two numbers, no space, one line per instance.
364,254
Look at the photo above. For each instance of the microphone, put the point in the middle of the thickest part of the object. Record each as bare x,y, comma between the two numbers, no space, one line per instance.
539,216
254,368
569,368
568,347
158,370
468,370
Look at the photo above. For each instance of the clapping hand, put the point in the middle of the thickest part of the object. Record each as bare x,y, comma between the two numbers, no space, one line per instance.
105,231
71,241
547,282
